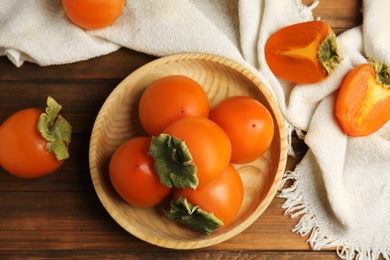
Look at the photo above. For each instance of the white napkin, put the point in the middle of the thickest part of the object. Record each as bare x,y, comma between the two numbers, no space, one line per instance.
341,187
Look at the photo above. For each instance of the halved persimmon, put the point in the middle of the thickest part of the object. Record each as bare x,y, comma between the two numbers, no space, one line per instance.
303,52
363,102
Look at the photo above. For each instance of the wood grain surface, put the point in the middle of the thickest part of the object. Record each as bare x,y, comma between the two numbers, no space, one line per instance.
61,216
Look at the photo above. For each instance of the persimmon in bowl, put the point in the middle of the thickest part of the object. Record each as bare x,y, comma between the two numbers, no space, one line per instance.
118,121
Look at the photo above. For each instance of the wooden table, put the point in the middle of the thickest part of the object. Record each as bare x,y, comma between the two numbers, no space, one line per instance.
60,215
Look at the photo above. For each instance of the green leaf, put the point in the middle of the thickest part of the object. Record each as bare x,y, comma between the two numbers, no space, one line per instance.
193,217
173,162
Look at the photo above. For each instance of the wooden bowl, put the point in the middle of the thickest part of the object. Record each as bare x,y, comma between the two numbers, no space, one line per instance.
118,121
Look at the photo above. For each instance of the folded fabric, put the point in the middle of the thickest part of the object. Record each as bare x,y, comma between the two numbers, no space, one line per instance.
341,187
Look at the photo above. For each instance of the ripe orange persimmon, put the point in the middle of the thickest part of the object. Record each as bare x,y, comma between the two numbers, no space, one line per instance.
133,176
248,124
190,152
93,14
34,143
210,207
170,98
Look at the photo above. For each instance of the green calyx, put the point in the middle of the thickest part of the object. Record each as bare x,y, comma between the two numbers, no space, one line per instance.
328,53
193,217
173,162
382,72
55,130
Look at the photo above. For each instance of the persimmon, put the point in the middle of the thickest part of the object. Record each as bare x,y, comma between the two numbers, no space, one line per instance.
250,133
303,53
170,98
34,143
93,14
363,102
133,176
190,153
209,207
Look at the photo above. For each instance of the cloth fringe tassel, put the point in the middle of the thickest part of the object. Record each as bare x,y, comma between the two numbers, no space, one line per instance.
290,131
307,225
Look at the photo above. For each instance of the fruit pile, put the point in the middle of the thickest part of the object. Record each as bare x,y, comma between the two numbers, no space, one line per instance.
188,153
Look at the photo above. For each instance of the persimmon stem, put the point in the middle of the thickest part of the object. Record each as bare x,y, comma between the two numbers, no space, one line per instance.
174,156
54,126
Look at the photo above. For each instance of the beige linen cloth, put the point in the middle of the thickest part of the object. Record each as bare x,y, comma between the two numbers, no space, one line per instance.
341,188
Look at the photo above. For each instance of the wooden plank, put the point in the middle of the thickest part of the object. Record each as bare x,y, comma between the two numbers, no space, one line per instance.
55,220
180,255
340,15
73,175
116,65
81,100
